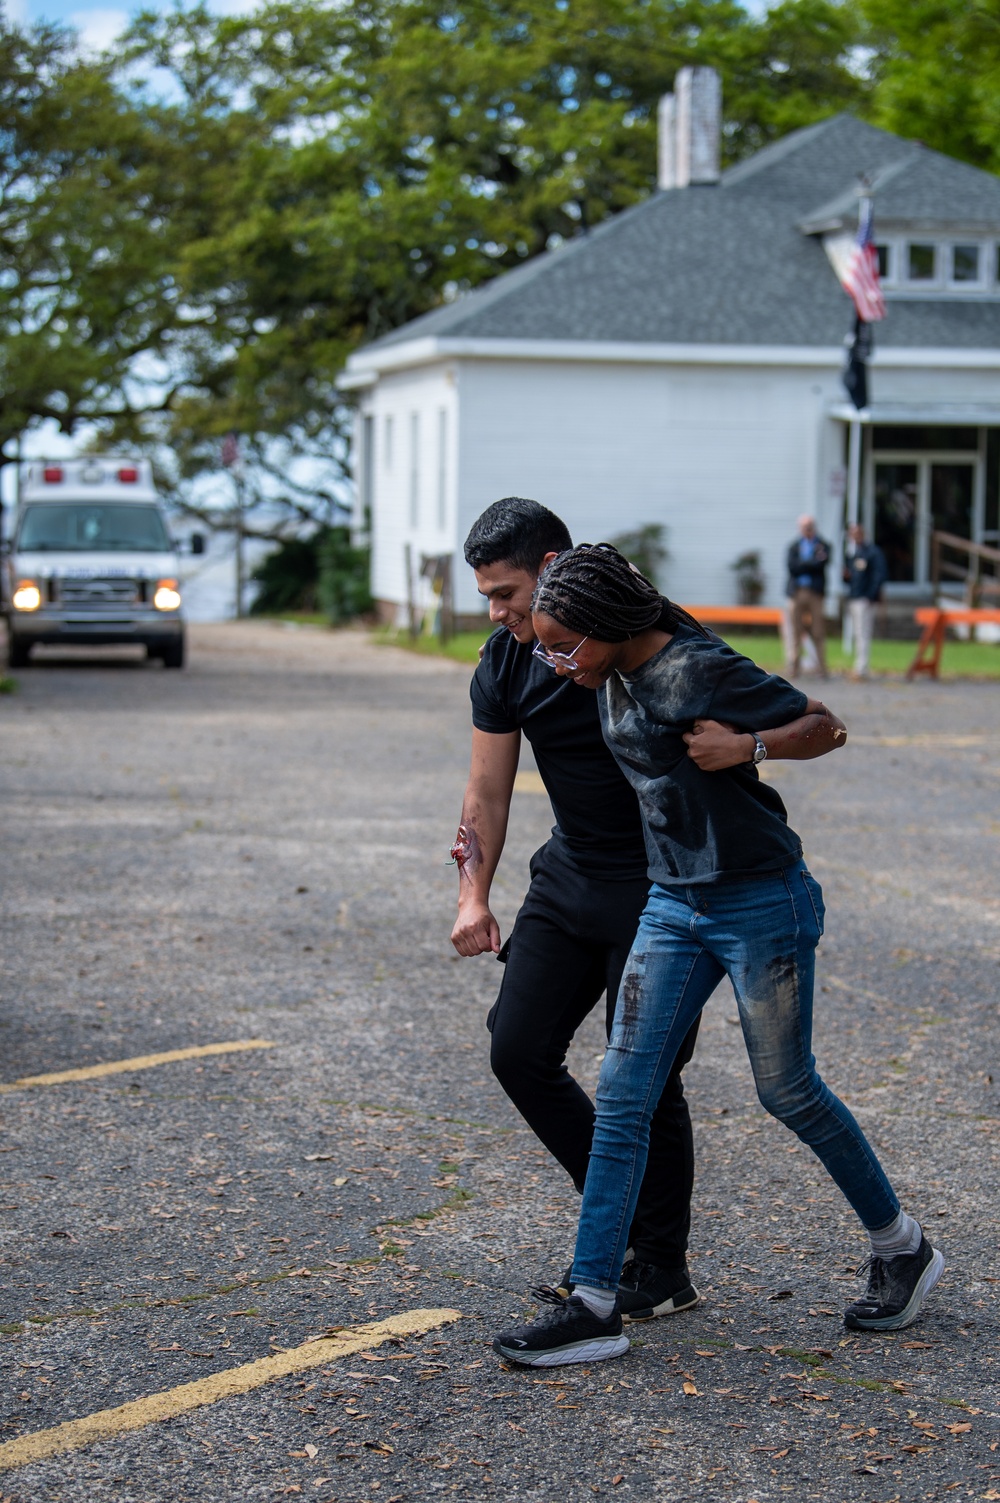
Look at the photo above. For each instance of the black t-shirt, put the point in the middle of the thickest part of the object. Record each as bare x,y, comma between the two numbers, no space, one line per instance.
598,828
700,826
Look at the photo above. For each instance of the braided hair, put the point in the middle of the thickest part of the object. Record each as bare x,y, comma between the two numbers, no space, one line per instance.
593,589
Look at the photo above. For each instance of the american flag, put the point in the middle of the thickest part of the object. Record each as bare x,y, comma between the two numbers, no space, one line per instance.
860,279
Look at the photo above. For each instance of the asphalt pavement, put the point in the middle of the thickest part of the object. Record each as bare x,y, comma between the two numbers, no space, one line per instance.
254,853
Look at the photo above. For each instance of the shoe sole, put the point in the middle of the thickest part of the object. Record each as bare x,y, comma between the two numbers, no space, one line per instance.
910,1310
685,1300
597,1350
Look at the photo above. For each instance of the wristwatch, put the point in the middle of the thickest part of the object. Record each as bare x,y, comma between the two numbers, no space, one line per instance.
759,751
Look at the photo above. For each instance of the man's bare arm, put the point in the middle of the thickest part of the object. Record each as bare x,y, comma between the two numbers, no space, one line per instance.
715,746
480,838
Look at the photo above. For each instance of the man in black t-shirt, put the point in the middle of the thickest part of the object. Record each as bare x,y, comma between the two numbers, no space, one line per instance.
589,885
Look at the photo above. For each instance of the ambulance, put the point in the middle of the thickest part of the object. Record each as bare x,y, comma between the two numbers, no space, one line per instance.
92,561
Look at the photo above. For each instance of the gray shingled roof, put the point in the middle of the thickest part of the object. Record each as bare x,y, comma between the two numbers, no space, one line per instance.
730,264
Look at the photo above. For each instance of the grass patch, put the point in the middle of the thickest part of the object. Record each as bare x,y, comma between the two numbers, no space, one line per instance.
294,618
959,659
463,647
7,685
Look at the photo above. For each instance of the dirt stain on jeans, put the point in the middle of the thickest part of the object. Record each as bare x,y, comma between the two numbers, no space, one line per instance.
631,998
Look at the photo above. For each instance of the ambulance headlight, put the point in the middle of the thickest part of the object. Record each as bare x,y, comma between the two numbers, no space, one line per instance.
167,596
27,596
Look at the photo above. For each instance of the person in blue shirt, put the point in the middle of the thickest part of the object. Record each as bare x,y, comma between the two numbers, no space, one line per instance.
807,559
730,896
865,573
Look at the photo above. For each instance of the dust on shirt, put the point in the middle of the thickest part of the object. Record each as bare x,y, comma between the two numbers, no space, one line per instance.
700,826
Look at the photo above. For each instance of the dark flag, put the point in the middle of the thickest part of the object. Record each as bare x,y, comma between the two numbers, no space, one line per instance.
855,373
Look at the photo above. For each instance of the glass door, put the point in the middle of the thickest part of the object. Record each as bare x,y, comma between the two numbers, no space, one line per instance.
952,494
911,496
897,504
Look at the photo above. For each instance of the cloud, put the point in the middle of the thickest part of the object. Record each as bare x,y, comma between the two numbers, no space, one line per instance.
98,29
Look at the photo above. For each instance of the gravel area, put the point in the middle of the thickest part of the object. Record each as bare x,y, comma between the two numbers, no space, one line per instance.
256,848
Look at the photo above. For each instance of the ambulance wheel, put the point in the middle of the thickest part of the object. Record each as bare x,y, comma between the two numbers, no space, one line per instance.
17,652
173,653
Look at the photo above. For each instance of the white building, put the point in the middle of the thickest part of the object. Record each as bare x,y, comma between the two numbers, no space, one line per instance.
681,364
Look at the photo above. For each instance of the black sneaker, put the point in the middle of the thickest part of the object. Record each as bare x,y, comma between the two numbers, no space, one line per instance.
646,1291
896,1289
567,1331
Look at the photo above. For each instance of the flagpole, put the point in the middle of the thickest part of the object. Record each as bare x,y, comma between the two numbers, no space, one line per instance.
853,471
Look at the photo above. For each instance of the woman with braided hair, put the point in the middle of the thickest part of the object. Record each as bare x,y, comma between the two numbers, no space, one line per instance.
688,719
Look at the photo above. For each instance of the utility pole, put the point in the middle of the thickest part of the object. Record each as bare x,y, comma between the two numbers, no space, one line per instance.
232,459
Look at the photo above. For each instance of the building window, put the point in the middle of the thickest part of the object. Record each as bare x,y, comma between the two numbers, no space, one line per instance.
414,469
367,457
884,253
442,476
965,263
387,441
922,262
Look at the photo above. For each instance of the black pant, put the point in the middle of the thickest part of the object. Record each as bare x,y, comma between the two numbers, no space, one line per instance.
569,944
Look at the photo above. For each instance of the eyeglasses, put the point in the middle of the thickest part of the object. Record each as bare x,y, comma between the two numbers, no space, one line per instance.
558,659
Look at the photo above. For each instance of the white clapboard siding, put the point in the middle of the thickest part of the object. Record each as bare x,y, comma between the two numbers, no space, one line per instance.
413,489
727,457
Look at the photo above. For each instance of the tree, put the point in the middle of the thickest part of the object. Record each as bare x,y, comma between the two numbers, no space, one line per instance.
354,165
202,228
91,328
935,67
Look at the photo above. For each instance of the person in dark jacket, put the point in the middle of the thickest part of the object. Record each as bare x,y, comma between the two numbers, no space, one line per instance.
808,557
864,574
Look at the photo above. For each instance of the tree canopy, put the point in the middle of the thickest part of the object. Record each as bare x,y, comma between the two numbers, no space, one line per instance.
198,230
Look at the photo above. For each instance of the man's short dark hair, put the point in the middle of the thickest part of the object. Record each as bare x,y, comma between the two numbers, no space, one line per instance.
518,532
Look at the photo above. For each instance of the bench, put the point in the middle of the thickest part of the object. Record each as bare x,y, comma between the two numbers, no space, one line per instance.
935,621
737,615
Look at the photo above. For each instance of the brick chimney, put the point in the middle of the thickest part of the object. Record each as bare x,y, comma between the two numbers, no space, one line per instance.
690,125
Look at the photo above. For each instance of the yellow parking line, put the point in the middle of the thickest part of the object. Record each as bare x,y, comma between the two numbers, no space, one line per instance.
74,1434
140,1062
529,782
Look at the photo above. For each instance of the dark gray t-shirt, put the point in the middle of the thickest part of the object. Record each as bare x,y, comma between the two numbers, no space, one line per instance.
700,826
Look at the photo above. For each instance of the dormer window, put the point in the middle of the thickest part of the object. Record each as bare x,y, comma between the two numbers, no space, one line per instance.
921,262
961,265
965,263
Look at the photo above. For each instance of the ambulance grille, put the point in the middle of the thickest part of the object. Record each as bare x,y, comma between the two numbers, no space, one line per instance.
98,594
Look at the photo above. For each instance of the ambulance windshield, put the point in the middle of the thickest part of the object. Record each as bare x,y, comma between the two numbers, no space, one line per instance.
92,527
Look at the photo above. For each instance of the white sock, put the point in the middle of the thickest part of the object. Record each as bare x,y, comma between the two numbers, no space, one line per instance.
900,1236
600,1302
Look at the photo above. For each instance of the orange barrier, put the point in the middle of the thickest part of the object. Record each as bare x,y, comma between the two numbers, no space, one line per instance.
935,621
737,615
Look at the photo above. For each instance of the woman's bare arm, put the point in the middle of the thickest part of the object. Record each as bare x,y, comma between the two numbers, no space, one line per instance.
715,746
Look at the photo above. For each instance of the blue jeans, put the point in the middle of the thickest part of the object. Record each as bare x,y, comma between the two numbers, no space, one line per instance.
762,933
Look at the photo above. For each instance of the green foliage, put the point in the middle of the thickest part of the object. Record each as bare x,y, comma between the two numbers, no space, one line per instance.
287,578
344,572
324,571
92,216
750,581
646,547
935,67
198,255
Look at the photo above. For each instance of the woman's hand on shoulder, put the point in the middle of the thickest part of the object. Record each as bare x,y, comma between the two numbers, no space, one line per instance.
714,745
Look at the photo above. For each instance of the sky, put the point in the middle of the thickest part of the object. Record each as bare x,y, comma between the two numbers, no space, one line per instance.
99,25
